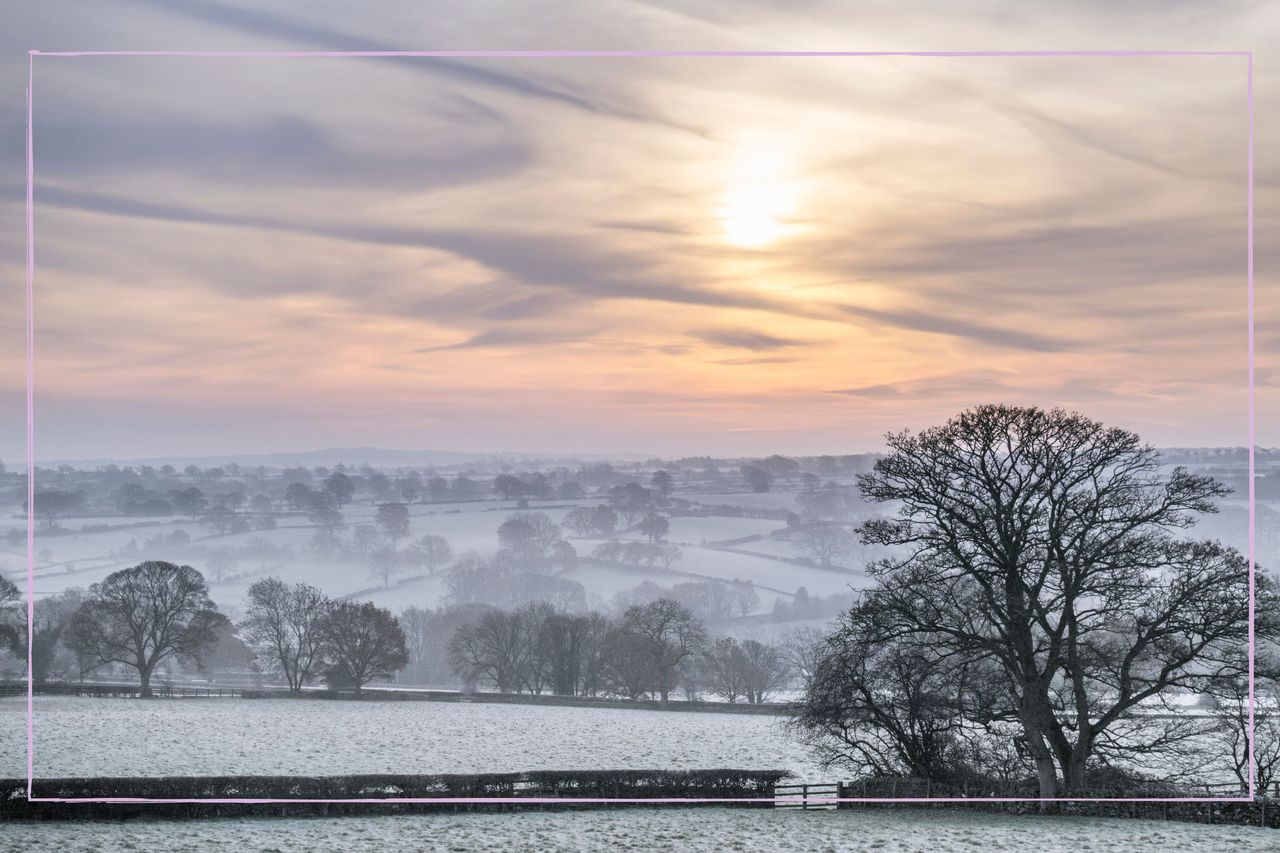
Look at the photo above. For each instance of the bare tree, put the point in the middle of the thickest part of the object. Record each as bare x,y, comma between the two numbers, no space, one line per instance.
434,552
361,642
365,538
492,648
1040,541
882,707
384,564
825,543
143,615
668,633
654,526
723,672
283,626
9,599
393,518
765,670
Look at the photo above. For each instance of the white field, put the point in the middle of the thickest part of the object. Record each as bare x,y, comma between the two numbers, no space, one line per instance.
468,526
84,736
651,829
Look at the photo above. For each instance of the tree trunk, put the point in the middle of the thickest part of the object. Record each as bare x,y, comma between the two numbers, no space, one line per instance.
144,677
1046,770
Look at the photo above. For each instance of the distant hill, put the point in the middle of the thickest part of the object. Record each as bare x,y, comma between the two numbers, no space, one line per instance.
378,457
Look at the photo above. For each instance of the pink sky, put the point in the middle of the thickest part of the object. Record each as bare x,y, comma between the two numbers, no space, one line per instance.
669,256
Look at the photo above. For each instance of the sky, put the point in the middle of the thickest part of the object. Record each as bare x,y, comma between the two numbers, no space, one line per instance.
676,256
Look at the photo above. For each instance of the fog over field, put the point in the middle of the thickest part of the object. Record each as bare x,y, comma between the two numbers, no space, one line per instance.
639,401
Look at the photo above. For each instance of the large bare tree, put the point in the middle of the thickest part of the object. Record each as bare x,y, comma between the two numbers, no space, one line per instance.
1044,542
283,626
361,642
141,616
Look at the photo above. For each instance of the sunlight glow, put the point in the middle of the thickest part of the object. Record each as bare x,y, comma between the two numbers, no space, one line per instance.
751,216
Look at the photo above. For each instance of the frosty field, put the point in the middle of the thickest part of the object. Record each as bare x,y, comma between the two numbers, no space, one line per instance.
898,831
194,737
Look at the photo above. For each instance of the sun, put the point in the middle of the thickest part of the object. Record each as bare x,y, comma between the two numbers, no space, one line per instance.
752,217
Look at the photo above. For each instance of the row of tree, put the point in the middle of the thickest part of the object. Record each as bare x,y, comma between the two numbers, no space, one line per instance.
651,650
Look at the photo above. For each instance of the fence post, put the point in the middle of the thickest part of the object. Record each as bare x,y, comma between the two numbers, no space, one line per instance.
840,795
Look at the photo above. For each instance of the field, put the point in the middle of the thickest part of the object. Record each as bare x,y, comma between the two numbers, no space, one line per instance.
80,556
753,830
122,737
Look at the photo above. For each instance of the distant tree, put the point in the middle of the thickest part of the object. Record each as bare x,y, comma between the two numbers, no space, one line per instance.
384,564
663,484
129,495
581,520
361,642
220,562
518,536
780,466
655,527
668,633
631,501
393,518
283,625
141,616
379,485
603,520
496,648
825,543
830,501
508,486
724,671
322,510
261,504
433,552
545,532
298,496
758,479
765,670
666,553
49,656
416,623
217,519
437,489
563,556
745,598
9,600
570,491
53,505
410,488
189,501
365,538
466,489
340,486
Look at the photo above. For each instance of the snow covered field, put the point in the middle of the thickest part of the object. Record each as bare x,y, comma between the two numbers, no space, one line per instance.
193,737
78,559
756,830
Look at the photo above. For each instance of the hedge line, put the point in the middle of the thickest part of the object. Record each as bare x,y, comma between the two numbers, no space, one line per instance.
596,784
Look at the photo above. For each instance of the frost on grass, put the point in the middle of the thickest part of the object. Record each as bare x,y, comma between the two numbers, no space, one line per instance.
82,736
938,831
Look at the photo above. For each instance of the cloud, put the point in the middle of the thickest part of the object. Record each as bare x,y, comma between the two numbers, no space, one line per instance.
478,73
971,382
744,339
938,324
279,150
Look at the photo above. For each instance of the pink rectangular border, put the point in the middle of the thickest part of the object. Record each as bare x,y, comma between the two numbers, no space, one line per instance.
548,54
